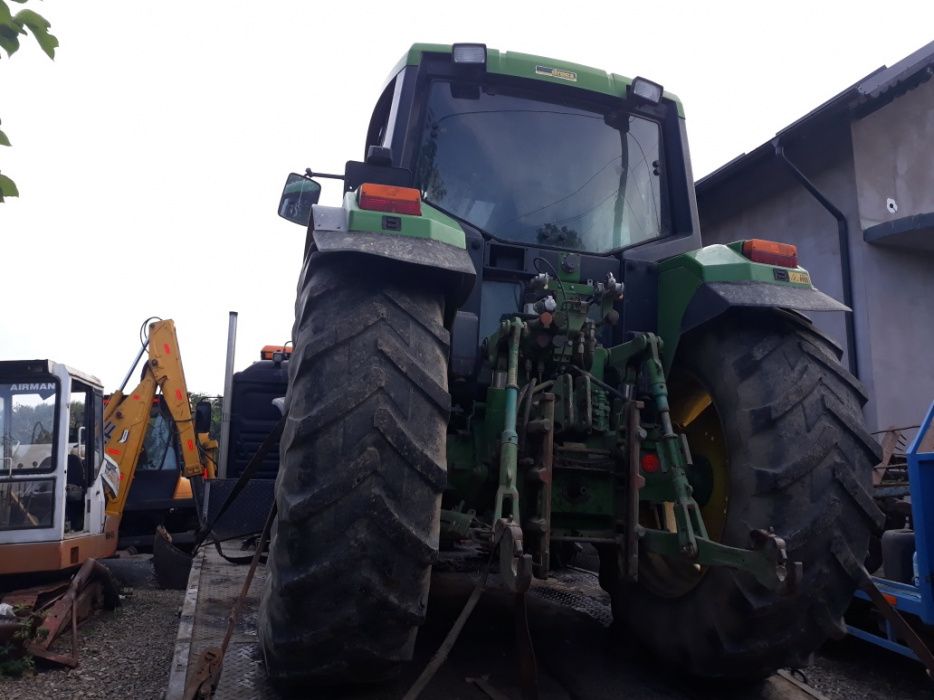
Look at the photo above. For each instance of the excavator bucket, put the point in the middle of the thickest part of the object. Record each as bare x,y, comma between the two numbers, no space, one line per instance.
170,564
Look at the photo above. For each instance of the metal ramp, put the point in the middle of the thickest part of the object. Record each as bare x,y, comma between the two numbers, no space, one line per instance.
569,615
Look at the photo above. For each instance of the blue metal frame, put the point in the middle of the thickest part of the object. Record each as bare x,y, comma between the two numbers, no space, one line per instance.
921,483
906,598
887,642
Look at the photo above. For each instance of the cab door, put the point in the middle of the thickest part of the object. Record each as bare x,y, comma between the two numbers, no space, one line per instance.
30,465
84,498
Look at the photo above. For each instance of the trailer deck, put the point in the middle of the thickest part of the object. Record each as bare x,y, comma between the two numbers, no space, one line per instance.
569,616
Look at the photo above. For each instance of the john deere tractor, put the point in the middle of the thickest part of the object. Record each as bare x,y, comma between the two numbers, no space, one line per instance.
510,333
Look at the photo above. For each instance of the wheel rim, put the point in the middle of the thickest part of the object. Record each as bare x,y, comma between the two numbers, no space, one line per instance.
694,413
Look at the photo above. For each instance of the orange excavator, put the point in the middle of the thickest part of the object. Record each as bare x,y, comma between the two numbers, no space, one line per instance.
68,461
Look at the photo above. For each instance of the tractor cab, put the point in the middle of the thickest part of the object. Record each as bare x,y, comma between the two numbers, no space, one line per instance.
552,170
51,453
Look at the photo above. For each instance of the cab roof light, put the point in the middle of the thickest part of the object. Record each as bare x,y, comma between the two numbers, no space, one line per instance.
388,198
647,90
770,252
474,54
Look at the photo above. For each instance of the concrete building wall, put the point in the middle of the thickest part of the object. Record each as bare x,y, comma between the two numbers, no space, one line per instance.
893,151
893,154
899,292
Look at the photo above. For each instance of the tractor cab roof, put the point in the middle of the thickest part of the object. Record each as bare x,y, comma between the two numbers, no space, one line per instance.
548,70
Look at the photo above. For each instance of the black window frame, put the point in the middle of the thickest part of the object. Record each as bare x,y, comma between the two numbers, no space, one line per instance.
380,119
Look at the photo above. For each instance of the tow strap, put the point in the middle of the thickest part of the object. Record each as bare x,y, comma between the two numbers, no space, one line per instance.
210,664
527,666
205,531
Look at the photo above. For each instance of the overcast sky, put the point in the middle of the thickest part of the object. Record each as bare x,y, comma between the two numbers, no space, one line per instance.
151,153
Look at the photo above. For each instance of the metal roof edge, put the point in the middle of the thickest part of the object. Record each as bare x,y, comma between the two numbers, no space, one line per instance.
880,82
838,103
879,85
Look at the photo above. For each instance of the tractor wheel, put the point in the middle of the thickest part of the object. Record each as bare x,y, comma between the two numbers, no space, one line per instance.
776,433
362,467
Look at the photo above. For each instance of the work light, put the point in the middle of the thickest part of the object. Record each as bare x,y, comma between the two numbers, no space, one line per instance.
469,53
647,90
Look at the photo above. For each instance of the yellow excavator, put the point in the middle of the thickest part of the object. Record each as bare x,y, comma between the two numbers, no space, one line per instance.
68,458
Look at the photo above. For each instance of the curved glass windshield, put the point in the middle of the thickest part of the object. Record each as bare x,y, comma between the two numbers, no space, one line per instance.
541,173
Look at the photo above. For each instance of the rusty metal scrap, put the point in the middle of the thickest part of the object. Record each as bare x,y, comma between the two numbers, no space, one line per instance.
63,605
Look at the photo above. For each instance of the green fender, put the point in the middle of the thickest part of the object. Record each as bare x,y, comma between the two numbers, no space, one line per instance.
433,243
696,287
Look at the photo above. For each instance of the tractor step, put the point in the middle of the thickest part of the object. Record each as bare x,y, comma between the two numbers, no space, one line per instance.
569,616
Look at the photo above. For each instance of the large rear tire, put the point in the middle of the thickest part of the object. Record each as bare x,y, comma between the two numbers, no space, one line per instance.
362,469
781,444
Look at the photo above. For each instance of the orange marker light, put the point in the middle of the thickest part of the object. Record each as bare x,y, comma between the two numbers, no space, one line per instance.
650,463
268,352
396,200
770,252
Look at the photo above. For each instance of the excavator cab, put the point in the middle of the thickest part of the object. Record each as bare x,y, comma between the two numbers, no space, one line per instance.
159,495
52,475
69,461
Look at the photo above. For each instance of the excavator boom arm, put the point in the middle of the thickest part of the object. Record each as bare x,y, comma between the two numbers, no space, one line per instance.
126,418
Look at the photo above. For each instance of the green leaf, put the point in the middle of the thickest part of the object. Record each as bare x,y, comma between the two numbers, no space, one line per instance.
33,20
4,141
5,16
7,188
12,27
39,26
8,40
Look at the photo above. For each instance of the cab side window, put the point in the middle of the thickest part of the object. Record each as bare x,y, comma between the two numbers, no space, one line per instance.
378,132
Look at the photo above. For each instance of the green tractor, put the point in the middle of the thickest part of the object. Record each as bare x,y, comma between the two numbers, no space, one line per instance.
510,332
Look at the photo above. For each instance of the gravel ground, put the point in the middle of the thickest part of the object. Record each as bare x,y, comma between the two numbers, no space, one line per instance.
122,654
851,668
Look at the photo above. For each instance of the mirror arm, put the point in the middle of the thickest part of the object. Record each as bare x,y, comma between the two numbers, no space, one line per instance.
330,176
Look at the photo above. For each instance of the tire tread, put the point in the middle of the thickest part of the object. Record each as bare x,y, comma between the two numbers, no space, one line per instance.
361,475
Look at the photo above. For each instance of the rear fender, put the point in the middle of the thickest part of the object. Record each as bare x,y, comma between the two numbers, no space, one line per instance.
431,243
697,287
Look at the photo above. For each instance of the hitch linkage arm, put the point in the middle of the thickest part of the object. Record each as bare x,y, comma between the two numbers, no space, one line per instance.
766,560
509,450
673,454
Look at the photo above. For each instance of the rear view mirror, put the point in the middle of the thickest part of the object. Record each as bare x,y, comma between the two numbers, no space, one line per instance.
298,196
203,416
